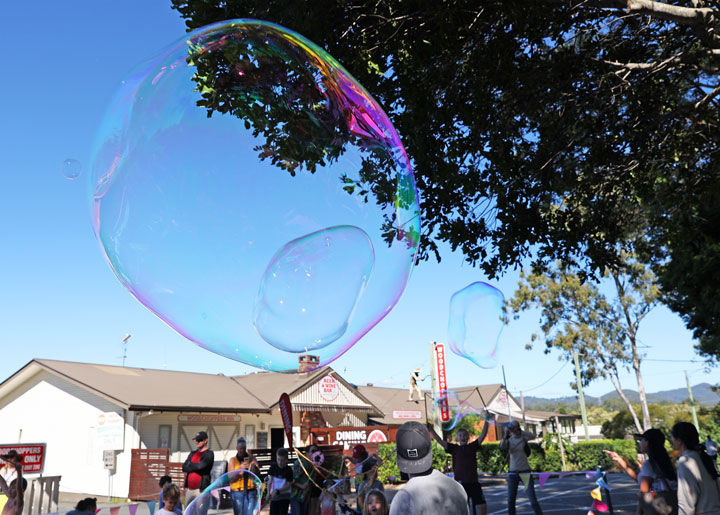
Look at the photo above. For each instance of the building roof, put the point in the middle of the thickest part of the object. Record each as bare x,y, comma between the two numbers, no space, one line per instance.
394,399
166,390
259,392
142,388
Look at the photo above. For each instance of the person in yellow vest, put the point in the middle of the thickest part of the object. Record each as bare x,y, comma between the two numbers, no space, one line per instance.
243,493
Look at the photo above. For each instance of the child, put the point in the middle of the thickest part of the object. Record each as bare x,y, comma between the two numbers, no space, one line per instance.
280,478
375,503
171,498
163,481
15,492
369,481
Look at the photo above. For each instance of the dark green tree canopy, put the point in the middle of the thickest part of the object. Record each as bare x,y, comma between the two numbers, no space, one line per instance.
544,130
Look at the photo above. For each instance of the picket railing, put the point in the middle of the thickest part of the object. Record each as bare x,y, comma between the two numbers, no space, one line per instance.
41,495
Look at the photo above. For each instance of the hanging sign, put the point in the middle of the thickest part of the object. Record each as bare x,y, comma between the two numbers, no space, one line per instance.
286,415
329,388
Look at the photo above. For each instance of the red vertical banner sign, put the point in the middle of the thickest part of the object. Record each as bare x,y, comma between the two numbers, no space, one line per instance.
441,365
286,414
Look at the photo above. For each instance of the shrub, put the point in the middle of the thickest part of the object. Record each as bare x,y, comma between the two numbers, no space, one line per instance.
578,456
491,459
590,455
389,472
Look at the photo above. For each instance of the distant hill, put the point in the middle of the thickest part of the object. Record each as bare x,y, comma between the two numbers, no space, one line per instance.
702,393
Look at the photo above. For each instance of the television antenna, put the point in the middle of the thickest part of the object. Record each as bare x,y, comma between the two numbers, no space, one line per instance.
125,340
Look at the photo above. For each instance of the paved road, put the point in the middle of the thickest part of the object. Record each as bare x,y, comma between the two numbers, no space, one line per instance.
569,495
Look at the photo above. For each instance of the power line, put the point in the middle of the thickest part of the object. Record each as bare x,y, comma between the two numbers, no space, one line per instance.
546,381
674,360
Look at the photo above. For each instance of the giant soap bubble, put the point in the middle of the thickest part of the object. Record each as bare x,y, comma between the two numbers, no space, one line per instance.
249,192
213,495
475,323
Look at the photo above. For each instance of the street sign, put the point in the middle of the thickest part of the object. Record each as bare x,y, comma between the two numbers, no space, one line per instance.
33,455
109,460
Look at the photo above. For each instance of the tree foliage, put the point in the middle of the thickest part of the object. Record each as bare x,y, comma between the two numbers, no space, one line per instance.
576,316
544,130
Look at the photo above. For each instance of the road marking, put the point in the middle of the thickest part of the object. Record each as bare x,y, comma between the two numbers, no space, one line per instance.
583,487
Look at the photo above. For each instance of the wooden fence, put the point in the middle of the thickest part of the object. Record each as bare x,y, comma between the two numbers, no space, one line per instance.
149,465
41,495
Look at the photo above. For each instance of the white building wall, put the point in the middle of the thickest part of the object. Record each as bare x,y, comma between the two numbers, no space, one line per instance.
49,409
223,436
579,434
500,405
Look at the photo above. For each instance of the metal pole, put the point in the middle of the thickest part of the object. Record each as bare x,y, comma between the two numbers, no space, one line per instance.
692,403
606,495
560,442
507,395
578,381
522,407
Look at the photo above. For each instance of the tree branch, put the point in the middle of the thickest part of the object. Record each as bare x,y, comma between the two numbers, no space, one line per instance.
660,10
707,98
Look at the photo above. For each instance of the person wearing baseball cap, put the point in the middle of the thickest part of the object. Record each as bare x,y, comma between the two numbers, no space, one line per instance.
657,477
198,466
428,491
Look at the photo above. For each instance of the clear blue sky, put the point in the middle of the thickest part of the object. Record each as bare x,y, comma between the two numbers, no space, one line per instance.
60,300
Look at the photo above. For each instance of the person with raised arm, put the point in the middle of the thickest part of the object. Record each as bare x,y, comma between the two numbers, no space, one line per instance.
514,443
15,491
465,466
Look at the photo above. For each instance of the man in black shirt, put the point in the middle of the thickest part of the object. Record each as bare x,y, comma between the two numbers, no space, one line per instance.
464,459
198,466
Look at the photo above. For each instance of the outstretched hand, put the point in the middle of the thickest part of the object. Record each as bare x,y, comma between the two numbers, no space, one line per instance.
616,458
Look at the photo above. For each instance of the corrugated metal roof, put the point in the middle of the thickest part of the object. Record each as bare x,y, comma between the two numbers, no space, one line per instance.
137,388
142,388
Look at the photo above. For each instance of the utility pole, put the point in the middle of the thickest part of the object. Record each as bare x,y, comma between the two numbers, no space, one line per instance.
522,408
560,443
507,394
578,381
692,402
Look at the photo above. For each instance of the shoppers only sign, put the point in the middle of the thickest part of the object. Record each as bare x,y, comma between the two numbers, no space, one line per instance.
33,455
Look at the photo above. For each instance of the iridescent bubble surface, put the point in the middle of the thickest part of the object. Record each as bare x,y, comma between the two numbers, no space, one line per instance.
210,497
302,305
71,168
227,159
459,409
475,323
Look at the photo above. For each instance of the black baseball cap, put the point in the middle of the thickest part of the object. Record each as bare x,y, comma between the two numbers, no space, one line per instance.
201,436
414,450
654,436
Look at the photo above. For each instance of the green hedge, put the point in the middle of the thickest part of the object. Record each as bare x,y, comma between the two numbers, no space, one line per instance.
389,472
578,456
587,455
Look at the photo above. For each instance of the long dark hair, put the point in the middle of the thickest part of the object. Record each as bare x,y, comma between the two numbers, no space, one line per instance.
658,455
686,432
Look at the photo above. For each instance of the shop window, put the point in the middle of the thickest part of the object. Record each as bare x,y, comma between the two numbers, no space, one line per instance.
250,436
164,435
262,440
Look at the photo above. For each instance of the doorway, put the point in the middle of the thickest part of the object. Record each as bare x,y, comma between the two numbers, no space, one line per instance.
277,437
